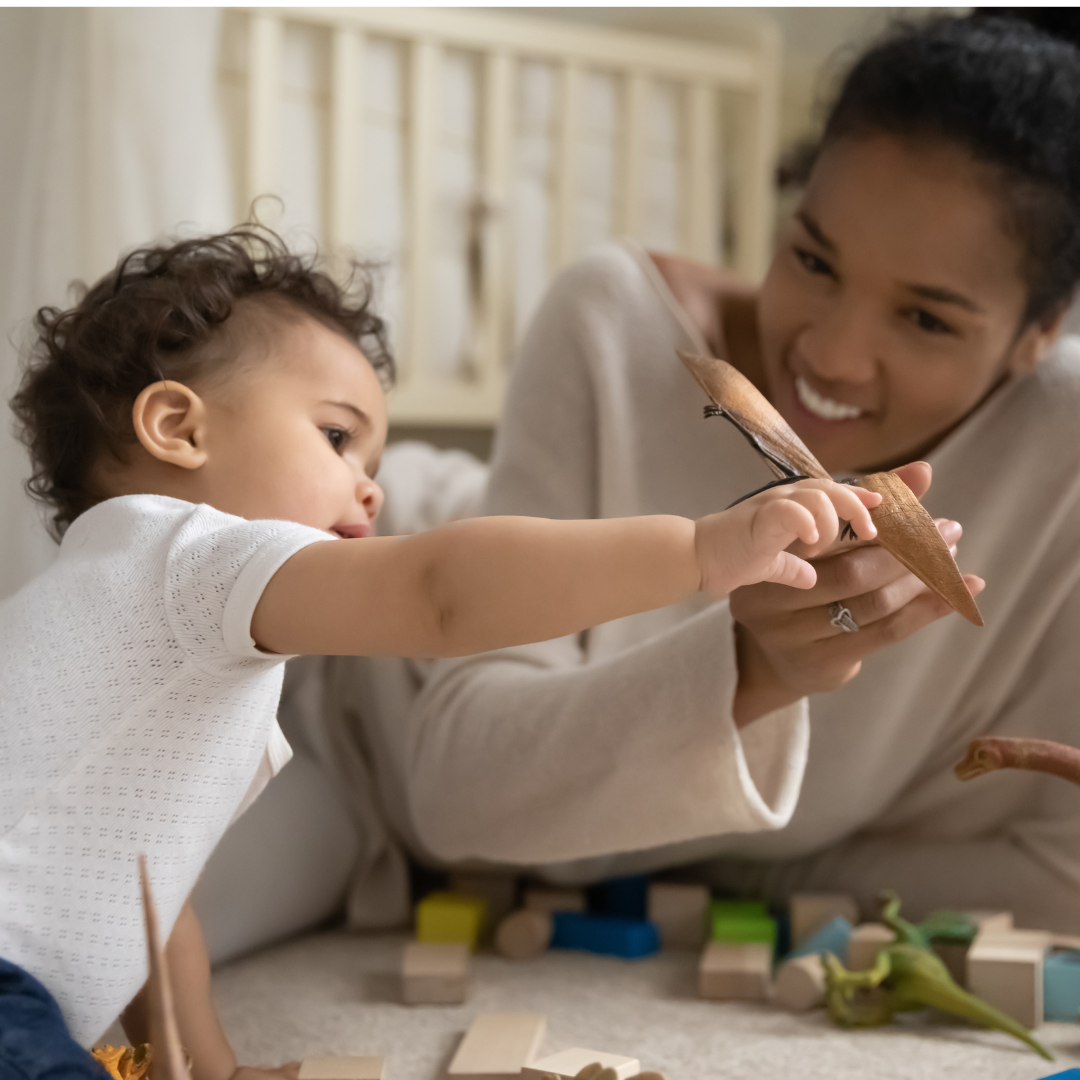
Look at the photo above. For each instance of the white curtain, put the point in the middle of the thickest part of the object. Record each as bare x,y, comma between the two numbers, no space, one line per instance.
111,136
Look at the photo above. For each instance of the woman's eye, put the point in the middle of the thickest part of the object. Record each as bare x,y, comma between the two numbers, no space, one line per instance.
338,437
814,263
924,320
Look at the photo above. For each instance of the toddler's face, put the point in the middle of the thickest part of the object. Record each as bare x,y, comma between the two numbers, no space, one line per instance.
299,436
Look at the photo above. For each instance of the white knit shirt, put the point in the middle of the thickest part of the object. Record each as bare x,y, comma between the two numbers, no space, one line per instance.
136,716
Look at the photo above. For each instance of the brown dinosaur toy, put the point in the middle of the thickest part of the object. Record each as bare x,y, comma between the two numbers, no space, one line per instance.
904,527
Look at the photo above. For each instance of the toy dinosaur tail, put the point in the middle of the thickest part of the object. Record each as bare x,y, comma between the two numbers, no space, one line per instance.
953,999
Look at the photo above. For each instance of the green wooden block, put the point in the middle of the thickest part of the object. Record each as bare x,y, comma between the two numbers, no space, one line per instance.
742,921
446,916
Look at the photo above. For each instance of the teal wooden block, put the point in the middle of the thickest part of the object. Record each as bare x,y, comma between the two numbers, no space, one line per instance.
833,938
1061,987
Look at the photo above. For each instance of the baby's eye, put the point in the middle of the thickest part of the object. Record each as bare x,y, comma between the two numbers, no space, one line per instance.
929,322
814,263
338,437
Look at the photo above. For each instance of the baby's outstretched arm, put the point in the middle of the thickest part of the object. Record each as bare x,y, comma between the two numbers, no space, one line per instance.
495,582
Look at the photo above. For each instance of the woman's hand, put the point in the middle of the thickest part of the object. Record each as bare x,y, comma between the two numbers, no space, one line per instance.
786,642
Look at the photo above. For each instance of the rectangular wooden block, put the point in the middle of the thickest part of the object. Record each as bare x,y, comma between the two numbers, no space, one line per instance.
867,940
342,1068
552,900
680,913
741,921
568,1063
811,911
1061,987
992,920
735,972
498,1046
446,916
1008,974
435,973
605,934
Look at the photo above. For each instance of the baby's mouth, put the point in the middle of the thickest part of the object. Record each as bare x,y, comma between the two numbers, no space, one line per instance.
822,407
352,532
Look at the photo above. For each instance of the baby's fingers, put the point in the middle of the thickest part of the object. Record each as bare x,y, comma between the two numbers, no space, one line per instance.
790,570
853,504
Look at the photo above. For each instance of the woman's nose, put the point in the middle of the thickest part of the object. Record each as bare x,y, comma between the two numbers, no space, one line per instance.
840,346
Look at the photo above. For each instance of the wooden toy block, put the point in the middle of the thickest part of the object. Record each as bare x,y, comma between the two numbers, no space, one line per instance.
498,890
1068,1074
735,972
568,1063
833,938
741,921
1061,987
446,916
435,973
992,920
498,1046
867,940
1006,970
680,913
342,1068
953,954
811,911
552,900
524,934
605,934
800,984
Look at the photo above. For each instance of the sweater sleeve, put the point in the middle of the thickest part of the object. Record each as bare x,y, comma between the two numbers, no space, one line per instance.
541,753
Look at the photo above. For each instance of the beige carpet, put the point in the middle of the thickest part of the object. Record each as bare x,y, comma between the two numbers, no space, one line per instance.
337,993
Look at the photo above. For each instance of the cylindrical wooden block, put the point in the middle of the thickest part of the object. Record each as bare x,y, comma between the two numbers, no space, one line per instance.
524,934
800,984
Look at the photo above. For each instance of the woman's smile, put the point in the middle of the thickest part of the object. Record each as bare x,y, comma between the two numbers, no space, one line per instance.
822,407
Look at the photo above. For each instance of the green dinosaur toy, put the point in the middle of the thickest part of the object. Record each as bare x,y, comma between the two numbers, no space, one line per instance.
907,977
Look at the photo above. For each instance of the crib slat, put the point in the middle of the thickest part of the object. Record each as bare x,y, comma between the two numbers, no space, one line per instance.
701,219
496,310
633,156
264,113
345,131
564,246
755,189
423,134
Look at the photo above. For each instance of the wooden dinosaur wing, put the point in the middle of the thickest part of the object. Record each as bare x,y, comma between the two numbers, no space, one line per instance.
746,407
908,532
168,1055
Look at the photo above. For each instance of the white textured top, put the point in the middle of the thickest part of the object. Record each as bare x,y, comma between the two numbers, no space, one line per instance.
136,716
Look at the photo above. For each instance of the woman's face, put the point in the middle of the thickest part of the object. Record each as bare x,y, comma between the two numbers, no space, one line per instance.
893,304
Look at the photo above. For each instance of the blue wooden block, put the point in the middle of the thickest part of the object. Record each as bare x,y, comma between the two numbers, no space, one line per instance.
1061,987
833,937
627,897
606,934
1068,1074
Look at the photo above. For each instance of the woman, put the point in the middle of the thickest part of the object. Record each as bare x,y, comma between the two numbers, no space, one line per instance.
911,312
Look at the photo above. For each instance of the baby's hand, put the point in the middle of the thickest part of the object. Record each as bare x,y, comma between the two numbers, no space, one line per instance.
745,544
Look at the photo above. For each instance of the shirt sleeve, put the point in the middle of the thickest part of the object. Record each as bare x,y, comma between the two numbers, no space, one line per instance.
217,567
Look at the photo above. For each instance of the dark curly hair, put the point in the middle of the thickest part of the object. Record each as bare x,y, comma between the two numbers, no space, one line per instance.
164,313
1010,94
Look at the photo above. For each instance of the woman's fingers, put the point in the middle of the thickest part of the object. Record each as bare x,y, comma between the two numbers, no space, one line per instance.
917,475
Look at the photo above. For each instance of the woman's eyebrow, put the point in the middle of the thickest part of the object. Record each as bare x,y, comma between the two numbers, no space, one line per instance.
815,230
945,296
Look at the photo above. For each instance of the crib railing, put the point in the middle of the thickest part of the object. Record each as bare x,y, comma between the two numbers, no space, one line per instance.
502,146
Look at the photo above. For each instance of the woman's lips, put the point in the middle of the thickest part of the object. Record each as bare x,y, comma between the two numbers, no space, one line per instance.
353,532
821,407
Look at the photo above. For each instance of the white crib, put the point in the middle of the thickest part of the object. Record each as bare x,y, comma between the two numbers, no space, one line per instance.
474,154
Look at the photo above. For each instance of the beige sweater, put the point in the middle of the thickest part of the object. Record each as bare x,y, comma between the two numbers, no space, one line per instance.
620,751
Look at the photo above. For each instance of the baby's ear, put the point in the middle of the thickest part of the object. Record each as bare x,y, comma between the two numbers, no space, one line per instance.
170,422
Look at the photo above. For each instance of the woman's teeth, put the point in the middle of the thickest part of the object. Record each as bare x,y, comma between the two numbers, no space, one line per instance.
824,407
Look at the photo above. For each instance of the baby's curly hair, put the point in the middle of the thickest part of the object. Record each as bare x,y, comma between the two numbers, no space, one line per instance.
163,313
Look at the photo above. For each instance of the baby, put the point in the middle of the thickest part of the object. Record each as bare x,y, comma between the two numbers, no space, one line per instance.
206,425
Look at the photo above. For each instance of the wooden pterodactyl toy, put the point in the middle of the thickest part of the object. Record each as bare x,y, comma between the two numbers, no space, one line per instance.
904,527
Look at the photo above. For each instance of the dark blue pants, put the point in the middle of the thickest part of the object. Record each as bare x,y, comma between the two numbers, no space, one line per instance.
34,1040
